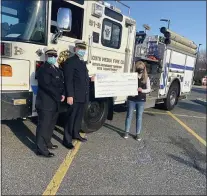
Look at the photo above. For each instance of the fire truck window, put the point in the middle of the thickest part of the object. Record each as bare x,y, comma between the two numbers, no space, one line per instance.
9,18
77,19
152,68
113,14
111,34
19,23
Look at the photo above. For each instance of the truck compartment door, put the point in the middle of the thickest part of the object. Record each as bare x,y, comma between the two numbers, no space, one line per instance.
188,75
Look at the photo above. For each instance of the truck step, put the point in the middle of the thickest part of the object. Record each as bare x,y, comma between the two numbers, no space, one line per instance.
150,102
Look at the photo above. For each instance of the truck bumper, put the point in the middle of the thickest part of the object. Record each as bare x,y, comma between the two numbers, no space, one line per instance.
16,104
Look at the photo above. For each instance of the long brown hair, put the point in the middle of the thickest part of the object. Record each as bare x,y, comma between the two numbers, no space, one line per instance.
141,64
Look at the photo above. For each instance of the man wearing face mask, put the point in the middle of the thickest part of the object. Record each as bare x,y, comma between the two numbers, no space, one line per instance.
77,93
49,97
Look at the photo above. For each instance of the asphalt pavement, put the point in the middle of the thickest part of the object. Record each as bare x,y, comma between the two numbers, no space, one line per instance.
198,92
170,158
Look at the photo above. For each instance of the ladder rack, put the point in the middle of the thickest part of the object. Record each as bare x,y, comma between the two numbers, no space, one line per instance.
112,7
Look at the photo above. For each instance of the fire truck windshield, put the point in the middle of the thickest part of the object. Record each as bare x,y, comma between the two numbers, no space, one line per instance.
24,21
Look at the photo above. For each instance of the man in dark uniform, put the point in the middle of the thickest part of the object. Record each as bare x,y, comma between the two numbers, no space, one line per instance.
77,93
49,97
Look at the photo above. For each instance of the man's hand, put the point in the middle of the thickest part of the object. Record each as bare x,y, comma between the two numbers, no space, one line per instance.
70,100
63,98
93,78
139,90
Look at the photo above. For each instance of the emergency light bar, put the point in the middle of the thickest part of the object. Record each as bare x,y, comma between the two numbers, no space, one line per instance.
117,9
130,22
107,4
110,6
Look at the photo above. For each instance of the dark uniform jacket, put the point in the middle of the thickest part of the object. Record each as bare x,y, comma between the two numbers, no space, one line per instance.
76,79
50,88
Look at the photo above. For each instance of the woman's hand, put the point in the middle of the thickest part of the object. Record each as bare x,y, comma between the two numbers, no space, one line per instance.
139,90
63,98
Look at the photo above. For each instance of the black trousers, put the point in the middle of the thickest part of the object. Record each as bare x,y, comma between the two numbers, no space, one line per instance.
46,124
73,122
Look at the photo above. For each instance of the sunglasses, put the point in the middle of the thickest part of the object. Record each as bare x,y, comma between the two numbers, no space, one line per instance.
52,55
82,48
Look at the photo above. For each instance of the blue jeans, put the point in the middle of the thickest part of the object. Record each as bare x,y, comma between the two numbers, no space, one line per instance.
139,106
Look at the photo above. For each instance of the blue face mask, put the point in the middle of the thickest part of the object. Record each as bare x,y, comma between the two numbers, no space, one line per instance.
81,53
51,60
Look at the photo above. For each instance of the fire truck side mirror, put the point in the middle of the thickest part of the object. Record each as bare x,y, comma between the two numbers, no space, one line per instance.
64,19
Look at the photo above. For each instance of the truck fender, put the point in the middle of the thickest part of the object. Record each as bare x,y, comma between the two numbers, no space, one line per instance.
172,82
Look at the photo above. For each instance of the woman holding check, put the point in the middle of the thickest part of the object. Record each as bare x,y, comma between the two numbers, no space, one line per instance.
137,102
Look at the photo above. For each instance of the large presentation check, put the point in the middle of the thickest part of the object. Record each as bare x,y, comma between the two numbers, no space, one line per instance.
115,84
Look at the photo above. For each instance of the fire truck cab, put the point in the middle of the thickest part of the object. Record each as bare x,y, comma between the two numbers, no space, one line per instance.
29,27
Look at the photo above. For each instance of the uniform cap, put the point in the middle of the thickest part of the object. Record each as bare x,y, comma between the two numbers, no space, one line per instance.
51,51
81,44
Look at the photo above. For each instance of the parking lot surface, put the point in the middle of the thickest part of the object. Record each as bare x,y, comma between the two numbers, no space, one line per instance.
170,158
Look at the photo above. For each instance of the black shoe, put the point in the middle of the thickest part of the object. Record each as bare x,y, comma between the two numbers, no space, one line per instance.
138,137
68,146
126,135
49,155
81,139
53,147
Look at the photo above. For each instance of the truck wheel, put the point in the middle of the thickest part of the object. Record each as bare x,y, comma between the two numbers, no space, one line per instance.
172,97
95,115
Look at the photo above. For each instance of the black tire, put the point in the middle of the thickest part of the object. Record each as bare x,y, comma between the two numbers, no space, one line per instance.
95,115
172,97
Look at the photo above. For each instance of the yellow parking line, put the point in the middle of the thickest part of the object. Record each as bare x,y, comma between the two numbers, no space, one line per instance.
54,184
188,129
181,115
152,112
184,115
